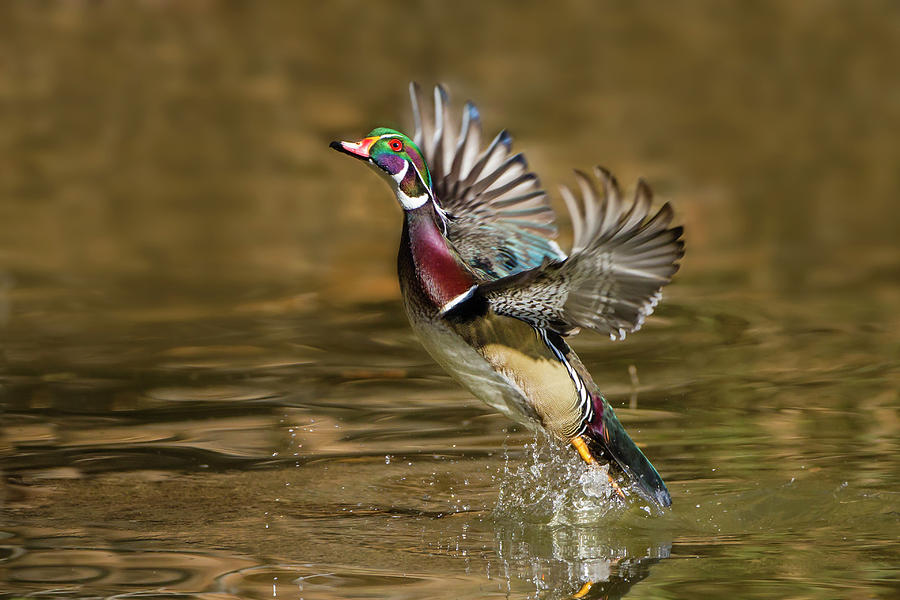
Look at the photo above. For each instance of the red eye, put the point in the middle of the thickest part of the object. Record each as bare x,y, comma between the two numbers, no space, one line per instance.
395,145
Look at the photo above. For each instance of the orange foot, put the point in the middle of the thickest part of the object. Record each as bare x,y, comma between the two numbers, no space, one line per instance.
583,591
585,454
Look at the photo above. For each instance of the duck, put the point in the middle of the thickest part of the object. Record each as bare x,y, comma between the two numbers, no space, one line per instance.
493,298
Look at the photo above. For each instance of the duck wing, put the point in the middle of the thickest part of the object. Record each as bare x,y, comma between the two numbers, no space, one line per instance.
499,219
622,257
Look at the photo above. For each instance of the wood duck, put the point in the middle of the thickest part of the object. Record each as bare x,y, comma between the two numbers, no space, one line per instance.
491,296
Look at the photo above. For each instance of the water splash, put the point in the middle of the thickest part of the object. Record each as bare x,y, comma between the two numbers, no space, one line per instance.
550,485
561,526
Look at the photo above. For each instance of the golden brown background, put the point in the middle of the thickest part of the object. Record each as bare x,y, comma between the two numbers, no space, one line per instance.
207,384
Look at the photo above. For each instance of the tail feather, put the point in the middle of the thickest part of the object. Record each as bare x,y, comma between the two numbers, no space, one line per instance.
607,433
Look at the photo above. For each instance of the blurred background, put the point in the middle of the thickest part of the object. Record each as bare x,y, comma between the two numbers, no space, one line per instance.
191,281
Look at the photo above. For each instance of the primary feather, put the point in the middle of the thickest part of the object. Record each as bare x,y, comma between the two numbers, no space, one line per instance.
500,220
621,258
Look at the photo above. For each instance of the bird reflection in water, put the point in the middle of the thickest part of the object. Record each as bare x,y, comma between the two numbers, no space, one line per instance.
572,541
577,562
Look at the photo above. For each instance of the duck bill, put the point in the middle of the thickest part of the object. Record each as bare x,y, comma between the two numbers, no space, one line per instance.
358,149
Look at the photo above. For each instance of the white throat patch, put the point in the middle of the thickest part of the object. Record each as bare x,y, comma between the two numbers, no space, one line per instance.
408,202
411,202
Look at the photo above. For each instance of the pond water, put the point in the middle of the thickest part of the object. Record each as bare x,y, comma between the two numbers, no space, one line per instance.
208,385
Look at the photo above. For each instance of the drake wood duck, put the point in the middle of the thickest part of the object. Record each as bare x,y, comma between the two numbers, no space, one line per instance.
492,297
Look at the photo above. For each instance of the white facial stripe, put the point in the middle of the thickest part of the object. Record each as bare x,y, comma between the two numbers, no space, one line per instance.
398,177
409,202
418,174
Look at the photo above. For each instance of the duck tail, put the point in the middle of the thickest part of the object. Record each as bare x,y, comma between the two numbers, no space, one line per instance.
607,434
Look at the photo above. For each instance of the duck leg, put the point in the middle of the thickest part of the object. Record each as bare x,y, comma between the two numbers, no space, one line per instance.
585,453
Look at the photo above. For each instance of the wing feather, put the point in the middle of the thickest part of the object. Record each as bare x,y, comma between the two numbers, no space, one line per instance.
500,220
622,256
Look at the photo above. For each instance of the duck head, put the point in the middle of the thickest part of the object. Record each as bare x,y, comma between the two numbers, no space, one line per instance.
397,158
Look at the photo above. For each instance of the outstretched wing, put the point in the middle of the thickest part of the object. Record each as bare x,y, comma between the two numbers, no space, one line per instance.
621,258
500,220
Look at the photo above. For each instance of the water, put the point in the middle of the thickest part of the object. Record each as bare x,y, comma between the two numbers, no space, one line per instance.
208,386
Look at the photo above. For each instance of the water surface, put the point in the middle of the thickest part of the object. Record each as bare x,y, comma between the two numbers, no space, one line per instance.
208,385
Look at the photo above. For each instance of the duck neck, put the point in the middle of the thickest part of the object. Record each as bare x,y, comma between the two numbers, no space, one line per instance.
427,262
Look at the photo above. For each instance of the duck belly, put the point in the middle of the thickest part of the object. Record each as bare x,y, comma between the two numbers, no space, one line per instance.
468,367
507,366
